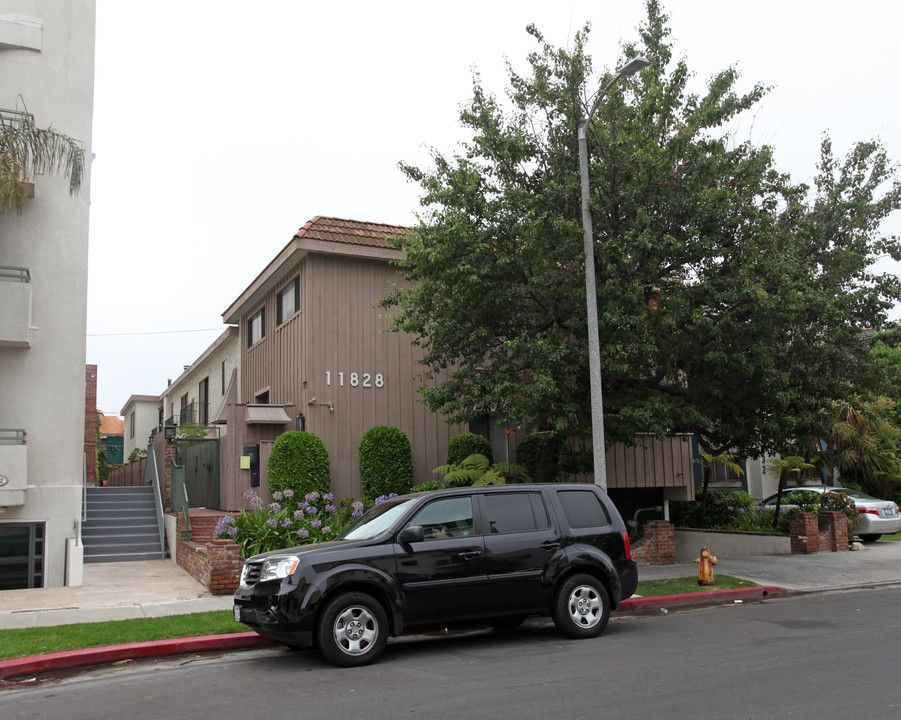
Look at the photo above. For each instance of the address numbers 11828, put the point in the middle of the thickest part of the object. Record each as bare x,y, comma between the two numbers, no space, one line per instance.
355,379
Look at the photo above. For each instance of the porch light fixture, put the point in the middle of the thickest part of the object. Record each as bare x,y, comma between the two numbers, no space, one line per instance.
170,429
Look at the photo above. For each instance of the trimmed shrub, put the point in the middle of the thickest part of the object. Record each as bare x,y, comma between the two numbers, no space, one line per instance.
299,462
430,485
462,446
386,462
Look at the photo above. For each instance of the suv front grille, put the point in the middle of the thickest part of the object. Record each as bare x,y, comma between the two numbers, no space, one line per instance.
251,574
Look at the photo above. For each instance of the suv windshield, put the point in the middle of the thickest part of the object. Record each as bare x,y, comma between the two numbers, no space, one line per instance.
377,520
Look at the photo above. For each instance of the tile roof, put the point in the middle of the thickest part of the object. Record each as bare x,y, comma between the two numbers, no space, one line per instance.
352,232
112,425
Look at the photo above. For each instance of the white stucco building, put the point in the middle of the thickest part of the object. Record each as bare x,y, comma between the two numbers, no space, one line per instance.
46,69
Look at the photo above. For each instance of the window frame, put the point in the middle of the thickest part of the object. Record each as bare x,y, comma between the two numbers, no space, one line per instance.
251,339
280,316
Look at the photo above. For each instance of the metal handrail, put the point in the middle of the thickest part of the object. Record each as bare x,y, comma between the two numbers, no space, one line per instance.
150,470
10,273
12,436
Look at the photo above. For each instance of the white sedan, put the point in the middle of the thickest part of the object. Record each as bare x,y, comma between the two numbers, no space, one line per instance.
876,517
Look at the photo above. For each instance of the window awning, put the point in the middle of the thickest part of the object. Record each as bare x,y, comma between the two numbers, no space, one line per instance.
266,415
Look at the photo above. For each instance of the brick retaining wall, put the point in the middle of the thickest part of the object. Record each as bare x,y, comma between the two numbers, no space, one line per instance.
214,563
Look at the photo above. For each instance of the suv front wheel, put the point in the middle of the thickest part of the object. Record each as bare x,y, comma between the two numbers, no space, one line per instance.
352,630
581,608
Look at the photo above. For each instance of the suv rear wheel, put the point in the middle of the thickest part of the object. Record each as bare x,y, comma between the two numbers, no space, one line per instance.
581,608
352,630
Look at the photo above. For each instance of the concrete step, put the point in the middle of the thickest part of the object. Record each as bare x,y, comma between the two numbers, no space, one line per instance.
124,512
105,548
120,528
125,557
125,535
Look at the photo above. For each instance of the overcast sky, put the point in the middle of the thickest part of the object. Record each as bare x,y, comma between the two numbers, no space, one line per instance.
220,128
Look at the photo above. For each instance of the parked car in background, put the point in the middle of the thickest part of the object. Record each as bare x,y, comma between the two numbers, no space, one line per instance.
875,517
493,554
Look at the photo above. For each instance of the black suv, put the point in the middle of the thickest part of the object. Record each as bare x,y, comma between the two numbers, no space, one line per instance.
497,553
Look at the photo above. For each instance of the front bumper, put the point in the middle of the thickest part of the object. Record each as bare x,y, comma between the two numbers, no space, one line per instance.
277,610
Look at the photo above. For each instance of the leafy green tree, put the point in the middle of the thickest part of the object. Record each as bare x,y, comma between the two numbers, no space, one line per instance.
730,299
26,149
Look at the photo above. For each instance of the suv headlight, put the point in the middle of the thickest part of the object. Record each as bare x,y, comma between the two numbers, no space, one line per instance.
278,566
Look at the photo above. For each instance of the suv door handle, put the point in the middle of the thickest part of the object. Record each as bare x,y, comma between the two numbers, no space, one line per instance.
469,554
549,545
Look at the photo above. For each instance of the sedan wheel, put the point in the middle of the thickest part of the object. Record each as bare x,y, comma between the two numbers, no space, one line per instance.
870,538
581,608
352,630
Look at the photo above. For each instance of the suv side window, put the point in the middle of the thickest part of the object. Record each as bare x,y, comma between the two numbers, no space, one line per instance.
449,517
583,509
516,512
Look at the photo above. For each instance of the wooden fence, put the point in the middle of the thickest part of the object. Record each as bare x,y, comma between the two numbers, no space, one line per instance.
129,475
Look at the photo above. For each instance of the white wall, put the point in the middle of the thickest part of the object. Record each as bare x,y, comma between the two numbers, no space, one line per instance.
43,386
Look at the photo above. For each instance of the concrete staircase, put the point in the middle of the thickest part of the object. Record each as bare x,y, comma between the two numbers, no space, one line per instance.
121,525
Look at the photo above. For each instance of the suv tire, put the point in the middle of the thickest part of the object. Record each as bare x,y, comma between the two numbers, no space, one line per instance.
352,630
581,607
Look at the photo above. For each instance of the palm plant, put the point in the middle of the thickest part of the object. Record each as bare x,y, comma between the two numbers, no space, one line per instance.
708,461
25,150
862,444
785,466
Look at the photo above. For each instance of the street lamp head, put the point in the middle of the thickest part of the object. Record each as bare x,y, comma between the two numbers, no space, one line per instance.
633,66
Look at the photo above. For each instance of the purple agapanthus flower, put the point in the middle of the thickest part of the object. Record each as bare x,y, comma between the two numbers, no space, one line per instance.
316,523
272,522
303,533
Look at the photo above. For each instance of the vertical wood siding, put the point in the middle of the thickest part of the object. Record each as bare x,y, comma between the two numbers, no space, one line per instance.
338,329
651,463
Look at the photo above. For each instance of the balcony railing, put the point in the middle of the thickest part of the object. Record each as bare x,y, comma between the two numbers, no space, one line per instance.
12,436
9,273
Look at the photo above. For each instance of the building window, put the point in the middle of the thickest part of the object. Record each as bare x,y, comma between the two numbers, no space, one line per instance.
21,556
723,476
256,327
131,426
288,301
223,377
203,401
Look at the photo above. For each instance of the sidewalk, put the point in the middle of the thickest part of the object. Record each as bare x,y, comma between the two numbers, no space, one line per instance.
111,591
156,588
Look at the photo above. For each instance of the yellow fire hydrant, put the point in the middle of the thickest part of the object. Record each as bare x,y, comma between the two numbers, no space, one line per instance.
705,567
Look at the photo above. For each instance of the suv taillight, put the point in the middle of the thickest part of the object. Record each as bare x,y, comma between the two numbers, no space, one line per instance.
626,543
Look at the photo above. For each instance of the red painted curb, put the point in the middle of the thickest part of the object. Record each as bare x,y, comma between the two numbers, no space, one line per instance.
700,598
114,653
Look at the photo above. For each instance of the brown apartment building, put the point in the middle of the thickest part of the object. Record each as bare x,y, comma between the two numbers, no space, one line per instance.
314,355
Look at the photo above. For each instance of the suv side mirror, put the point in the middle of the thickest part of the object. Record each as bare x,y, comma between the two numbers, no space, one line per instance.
412,534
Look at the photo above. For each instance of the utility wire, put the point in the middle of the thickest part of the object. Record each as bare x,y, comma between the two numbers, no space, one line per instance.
157,332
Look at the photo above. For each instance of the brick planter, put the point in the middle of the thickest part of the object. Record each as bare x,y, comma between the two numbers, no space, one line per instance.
658,546
811,534
214,563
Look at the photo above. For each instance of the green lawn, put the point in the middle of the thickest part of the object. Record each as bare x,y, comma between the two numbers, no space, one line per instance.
22,642
680,586
896,536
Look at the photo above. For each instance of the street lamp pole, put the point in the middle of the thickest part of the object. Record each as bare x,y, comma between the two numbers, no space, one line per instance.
591,296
